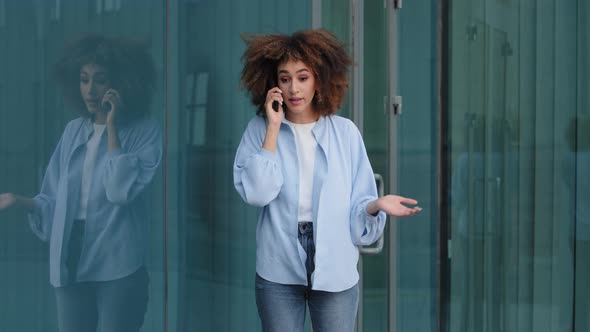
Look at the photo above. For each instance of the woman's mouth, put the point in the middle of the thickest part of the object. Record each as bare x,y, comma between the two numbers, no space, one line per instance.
295,101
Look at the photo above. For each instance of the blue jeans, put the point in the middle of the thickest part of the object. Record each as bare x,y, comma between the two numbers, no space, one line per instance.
282,307
305,236
110,306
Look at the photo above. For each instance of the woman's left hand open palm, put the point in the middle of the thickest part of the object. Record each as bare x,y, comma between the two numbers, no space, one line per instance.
393,205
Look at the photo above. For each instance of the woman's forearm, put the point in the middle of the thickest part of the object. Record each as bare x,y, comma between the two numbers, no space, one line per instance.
270,141
113,140
8,200
25,203
373,208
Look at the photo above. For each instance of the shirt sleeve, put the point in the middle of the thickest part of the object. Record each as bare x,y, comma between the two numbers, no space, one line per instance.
365,229
41,218
257,172
130,169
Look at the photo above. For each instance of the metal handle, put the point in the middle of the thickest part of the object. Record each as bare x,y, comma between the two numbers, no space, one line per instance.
379,247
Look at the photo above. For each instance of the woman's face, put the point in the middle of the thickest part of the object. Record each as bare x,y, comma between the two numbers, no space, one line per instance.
297,82
94,83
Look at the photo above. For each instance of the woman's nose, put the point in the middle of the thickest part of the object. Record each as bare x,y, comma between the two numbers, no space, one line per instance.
91,88
293,87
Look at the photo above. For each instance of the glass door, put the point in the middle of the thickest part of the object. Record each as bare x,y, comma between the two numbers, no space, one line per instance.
370,113
364,24
513,81
400,281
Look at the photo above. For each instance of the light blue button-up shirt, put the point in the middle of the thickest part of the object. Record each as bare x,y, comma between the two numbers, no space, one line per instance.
343,185
116,232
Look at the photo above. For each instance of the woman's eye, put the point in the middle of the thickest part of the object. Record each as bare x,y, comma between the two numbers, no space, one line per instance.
303,78
83,80
284,80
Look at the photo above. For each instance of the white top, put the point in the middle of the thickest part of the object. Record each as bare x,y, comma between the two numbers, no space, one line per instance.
88,168
306,150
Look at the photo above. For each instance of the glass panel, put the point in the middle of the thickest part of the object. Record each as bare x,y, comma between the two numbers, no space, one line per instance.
417,159
375,136
418,136
336,17
578,157
33,116
514,76
212,241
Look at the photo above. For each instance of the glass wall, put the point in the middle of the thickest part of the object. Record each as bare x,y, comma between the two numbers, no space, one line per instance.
202,236
517,143
418,166
33,116
374,310
211,230
513,129
578,156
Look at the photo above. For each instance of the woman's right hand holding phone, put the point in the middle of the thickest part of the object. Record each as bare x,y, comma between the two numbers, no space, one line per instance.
274,116
274,95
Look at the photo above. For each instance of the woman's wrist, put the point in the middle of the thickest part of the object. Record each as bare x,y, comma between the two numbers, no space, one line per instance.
373,207
272,134
113,137
273,127
24,202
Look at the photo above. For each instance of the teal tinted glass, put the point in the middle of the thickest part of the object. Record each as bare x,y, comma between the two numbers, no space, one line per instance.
374,267
336,17
33,115
418,174
578,187
212,242
518,152
416,162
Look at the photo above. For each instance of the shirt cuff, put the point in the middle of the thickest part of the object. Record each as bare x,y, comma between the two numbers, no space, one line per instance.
268,155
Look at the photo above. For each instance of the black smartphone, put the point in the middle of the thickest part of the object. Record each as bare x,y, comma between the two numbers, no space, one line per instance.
275,104
106,106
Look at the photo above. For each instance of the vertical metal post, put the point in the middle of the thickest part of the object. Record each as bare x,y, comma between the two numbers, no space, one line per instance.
357,42
392,153
357,111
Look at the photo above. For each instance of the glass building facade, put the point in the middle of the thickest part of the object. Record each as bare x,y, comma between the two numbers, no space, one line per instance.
477,108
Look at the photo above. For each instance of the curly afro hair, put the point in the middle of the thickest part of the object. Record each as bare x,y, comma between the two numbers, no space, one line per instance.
319,49
129,68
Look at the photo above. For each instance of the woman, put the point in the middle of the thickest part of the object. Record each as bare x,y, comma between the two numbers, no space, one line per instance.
92,205
308,171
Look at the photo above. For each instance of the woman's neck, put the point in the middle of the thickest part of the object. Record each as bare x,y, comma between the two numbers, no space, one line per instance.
302,118
99,118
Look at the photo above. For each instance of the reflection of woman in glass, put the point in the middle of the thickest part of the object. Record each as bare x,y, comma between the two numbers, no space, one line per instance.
308,171
91,207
